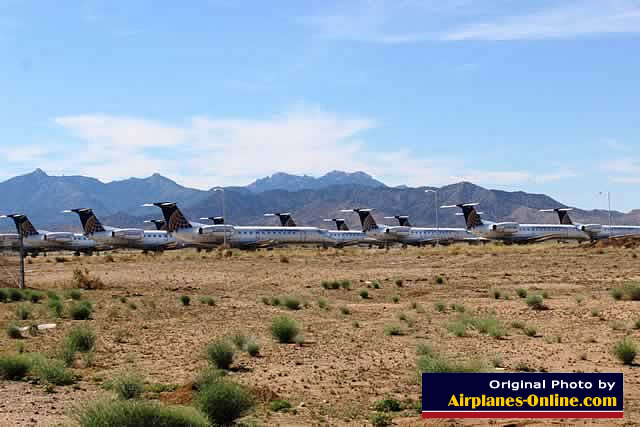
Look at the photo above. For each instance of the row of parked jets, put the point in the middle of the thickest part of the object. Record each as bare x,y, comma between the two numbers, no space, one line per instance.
175,231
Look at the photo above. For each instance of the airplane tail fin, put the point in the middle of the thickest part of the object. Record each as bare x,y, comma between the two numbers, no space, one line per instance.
563,215
159,223
366,219
403,220
90,222
285,219
340,223
471,216
174,218
23,225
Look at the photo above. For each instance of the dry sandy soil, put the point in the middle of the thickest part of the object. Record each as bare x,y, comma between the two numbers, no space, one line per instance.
340,369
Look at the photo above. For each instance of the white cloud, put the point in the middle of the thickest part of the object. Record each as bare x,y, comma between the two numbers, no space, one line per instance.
569,19
392,22
204,151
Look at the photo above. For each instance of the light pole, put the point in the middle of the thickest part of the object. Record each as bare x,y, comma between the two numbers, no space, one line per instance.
435,193
609,203
224,218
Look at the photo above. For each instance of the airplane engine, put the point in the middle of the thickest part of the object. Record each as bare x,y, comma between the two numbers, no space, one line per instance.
59,237
506,227
128,234
591,228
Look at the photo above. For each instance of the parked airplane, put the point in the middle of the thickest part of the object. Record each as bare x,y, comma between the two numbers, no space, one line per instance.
136,238
431,235
514,232
35,241
597,231
237,236
383,233
285,219
9,241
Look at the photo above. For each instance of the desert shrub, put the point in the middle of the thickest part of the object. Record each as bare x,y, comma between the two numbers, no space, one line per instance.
522,293
579,299
23,312
439,280
35,296
617,294
345,284
80,310
364,294
376,284
81,338
74,294
138,413
323,303
185,300
393,330
334,284
495,293
402,316
266,301
284,329
279,405
458,328
208,375
133,306
284,259
4,295
52,371
458,307
292,303
545,295
626,350
253,349
490,325
518,324
52,295
634,292
378,419
15,294
223,402
128,386
84,280
13,331
56,307
395,299
399,283
536,302
530,331
239,340
14,366
208,301
440,306
387,405
345,310
275,301
220,354
424,349
595,312
636,324
434,363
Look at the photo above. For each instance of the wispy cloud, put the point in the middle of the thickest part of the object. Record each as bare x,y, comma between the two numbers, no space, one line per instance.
205,151
384,21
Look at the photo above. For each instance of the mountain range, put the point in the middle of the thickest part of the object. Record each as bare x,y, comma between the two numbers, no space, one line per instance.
42,197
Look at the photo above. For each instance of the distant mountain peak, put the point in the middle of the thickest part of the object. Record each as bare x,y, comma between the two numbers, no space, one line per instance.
38,172
289,182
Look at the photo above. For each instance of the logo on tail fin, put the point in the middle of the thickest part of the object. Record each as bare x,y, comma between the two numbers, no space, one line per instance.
563,215
285,219
23,225
368,223
340,224
159,223
90,222
471,217
173,216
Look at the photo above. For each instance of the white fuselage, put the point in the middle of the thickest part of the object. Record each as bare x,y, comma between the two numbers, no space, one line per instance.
618,231
51,241
514,232
134,238
418,235
349,237
389,233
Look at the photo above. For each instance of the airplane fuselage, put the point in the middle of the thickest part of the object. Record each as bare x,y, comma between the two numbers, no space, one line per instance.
514,232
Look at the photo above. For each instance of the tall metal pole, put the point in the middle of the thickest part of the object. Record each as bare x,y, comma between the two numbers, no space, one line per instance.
21,260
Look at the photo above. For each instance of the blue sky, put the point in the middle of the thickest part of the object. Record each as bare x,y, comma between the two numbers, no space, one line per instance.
541,96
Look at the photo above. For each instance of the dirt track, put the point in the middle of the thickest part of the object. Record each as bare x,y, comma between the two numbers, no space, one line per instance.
340,369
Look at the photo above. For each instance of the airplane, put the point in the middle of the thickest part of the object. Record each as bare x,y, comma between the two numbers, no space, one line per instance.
382,233
136,238
237,236
597,231
159,223
432,235
345,237
36,241
9,241
285,218
512,232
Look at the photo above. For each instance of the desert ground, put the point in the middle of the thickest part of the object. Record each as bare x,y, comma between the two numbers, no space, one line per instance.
345,359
